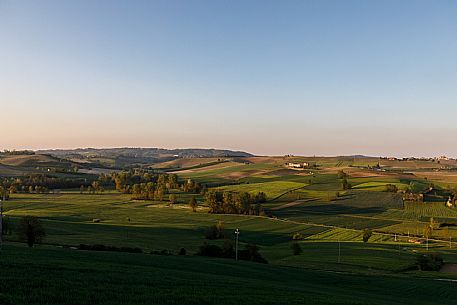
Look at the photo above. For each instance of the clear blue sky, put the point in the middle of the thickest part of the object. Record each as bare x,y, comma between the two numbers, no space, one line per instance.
269,77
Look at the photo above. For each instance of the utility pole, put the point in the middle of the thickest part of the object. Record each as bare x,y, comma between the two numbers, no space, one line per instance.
237,233
339,251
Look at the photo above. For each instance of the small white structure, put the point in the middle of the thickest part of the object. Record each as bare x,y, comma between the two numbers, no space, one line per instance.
297,165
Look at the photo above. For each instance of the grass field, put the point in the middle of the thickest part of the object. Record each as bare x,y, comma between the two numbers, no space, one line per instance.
335,267
273,190
63,276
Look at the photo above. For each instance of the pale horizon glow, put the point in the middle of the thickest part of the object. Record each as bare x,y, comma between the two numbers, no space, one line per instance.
324,78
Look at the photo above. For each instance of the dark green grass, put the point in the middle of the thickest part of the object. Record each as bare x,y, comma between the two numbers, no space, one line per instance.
61,276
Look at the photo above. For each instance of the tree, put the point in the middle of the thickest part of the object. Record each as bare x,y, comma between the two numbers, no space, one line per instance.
31,230
296,249
261,197
215,231
427,231
367,233
391,188
193,204
12,189
432,223
211,202
173,199
345,184
95,186
429,262
341,174
6,228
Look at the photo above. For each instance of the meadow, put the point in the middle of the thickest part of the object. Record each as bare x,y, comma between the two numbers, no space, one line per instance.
334,267
65,276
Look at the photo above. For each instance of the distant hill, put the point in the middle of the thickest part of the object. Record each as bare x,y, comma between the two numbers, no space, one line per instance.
120,157
147,152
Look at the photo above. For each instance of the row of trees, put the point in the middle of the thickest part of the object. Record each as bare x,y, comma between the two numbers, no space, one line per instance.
235,203
29,229
149,186
43,181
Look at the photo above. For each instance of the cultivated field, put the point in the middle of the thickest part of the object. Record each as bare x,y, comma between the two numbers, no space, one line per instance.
327,220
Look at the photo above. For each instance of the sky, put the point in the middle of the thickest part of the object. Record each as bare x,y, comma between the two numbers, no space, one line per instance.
265,76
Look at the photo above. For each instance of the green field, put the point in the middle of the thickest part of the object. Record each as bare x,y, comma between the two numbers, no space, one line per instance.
335,266
63,276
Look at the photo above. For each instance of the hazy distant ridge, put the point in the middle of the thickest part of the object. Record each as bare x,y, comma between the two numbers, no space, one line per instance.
146,152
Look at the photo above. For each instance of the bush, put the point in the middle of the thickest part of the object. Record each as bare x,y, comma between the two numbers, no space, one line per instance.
6,226
31,230
99,247
162,252
429,262
297,236
391,188
366,235
210,250
182,251
250,253
215,231
296,249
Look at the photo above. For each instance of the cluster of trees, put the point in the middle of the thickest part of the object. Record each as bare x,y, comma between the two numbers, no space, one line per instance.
109,248
29,229
124,181
249,253
38,183
366,235
215,231
94,188
345,185
391,188
149,186
235,203
429,262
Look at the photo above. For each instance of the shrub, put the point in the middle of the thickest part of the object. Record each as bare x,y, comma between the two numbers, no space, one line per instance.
391,188
366,235
182,251
297,236
100,247
296,249
250,253
193,204
429,262
31,230
210,250
215,231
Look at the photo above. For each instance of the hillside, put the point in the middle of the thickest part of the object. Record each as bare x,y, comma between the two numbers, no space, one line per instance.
119,278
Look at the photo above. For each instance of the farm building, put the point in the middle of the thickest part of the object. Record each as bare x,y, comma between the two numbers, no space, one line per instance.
413,197
297,165
451,202
436,195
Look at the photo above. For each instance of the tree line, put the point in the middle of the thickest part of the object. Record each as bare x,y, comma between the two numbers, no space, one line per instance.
235,203
150,186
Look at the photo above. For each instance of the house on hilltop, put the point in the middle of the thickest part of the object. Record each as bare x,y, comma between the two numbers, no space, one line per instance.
302,165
